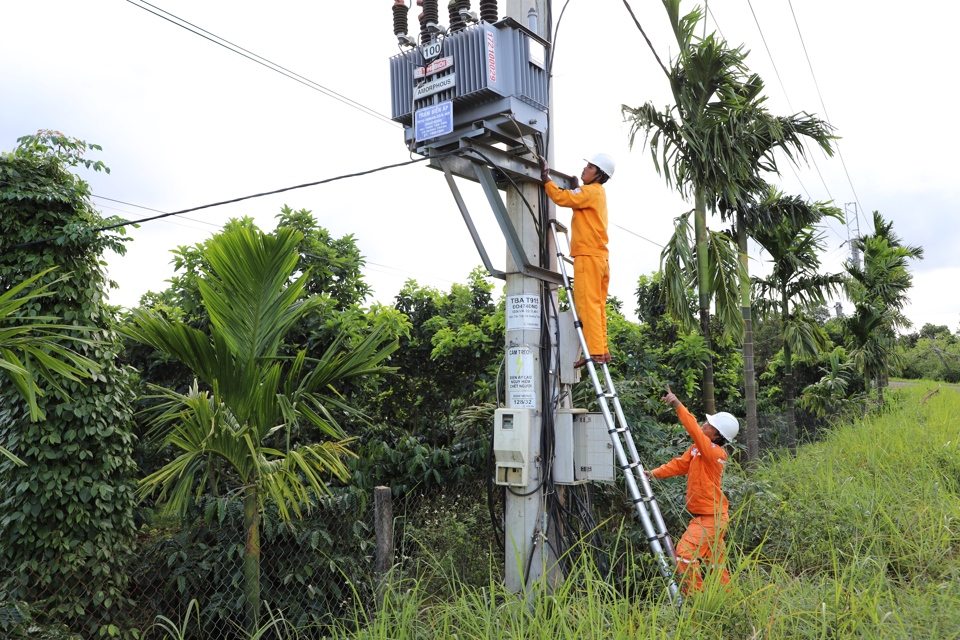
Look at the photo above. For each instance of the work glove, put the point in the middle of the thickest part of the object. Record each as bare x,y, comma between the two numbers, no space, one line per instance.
544,169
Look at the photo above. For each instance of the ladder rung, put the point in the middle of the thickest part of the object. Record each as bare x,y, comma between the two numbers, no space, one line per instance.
565,258
643,499
559,225
609,395
620,430
632,465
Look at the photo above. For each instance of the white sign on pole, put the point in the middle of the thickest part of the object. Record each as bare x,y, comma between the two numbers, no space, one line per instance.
523,312
520,391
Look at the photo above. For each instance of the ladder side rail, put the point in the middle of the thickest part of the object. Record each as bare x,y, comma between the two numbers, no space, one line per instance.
664,562
637,468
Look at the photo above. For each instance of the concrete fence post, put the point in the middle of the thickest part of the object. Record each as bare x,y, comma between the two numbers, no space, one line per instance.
383,529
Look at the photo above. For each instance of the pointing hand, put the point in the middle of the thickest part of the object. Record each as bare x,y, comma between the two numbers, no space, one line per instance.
671,399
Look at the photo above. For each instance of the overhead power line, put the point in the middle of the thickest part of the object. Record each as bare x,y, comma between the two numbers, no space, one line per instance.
638,235
823,104
644,33
273,66
130,204
250,197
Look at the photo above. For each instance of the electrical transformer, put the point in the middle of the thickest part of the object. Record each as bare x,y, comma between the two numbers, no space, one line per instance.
486,79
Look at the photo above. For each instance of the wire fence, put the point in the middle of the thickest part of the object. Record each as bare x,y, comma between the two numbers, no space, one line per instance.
320,570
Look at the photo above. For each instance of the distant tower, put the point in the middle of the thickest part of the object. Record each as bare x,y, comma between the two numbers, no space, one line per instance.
853,231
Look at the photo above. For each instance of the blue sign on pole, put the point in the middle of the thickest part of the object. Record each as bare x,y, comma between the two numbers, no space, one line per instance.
434,121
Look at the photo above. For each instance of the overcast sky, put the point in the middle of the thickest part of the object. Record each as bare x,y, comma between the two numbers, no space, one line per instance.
184,122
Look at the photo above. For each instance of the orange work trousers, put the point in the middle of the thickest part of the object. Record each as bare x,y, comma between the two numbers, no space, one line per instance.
591,277
701,547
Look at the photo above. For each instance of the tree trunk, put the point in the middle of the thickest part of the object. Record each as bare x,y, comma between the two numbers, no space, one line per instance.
703,289
788,391
251,559
749,376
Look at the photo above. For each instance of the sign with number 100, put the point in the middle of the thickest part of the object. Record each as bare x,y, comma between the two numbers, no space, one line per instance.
431,50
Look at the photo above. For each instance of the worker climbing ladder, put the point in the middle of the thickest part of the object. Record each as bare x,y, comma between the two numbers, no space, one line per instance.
637,484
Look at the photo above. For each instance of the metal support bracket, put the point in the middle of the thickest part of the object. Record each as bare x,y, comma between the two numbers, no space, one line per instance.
514,244
484,175
451,181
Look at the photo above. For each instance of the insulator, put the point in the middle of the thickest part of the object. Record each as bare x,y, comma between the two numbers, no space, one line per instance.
488,11
400,22
456,22
431,11
424,34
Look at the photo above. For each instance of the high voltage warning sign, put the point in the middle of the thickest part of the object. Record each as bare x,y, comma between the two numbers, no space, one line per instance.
520,391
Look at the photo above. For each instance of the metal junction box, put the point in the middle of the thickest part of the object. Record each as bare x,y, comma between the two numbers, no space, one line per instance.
583,449
489,77
511,446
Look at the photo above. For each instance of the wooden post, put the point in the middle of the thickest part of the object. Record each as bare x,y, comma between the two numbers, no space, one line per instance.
383,529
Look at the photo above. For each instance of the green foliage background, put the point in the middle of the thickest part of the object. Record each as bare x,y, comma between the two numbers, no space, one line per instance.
66,519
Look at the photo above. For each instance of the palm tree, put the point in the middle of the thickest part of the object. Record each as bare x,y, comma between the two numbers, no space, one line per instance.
262,426
763,207
679,265
714,142
794,245
32,348
878,289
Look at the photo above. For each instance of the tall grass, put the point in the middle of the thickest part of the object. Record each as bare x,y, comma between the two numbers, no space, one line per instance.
856,537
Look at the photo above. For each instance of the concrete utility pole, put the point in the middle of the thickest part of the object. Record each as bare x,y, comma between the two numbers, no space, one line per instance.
526,522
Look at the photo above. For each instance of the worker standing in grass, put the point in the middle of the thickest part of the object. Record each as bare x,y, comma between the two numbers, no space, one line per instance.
588,248
703,465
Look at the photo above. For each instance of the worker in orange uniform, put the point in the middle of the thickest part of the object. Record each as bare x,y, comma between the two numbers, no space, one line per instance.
703,465
588,247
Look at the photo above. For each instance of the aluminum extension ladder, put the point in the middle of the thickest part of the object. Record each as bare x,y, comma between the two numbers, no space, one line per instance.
637,484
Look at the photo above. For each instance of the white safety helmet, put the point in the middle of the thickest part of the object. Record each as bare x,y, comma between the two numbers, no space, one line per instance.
726,424
603,162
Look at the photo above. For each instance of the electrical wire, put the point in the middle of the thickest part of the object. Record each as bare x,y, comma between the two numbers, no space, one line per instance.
250,197
770,55
638,235
822,103
226,44
130,204
178,224
644,33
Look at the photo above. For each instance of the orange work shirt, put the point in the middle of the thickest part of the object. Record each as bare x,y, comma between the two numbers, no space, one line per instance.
703,465
588,228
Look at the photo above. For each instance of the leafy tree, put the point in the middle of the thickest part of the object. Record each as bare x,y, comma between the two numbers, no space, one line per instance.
263,425
66,519
794,246
447,361
830,395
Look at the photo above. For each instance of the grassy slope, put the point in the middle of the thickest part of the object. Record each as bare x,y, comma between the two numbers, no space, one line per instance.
856,537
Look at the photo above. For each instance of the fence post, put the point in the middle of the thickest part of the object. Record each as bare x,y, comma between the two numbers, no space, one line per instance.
383,528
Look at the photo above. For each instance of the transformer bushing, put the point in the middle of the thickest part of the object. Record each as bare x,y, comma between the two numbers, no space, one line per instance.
401,24
488,11
456,22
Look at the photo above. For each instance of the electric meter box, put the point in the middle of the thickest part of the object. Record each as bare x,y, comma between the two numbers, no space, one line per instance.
583,449
488,75
511,446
